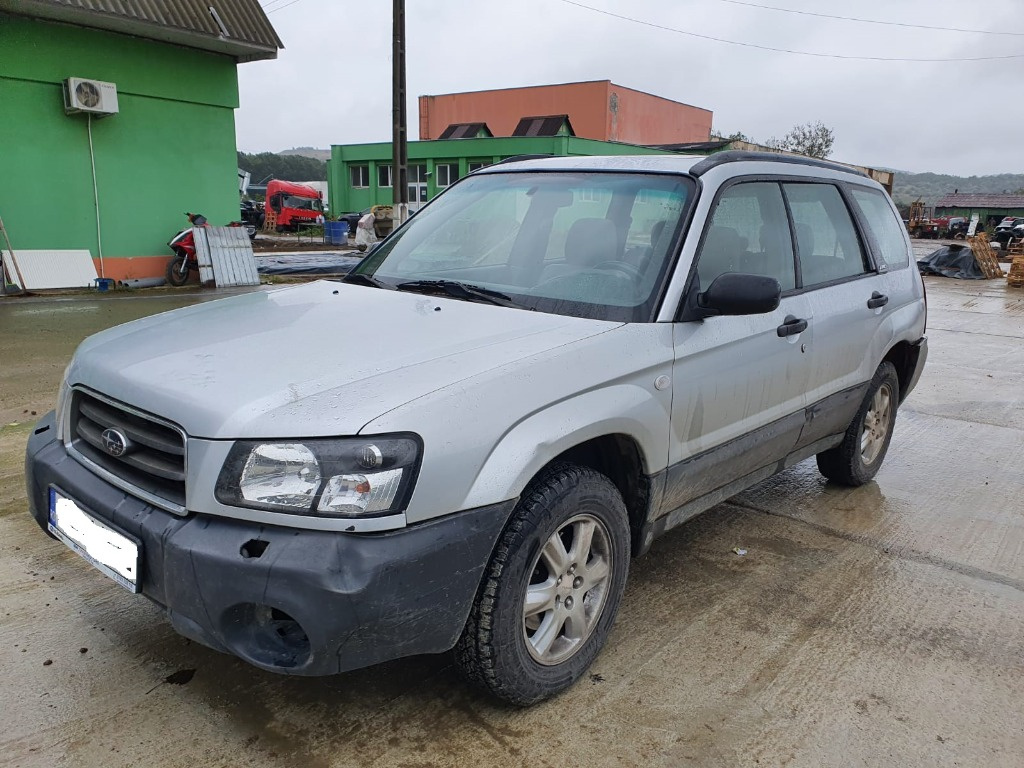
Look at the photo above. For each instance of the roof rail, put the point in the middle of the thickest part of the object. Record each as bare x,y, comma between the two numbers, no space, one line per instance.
519,158
739,156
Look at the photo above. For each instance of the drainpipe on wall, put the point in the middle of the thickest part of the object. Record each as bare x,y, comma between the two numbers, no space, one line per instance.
95,196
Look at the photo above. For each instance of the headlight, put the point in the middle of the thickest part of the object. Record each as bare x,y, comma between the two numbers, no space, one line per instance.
348,477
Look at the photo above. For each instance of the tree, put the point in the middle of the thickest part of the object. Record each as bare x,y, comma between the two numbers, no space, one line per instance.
811,139
719,136
286,167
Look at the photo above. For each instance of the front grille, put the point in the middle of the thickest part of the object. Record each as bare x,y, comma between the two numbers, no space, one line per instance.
153,464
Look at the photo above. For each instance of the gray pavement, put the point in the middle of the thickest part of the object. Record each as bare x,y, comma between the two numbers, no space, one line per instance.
875,626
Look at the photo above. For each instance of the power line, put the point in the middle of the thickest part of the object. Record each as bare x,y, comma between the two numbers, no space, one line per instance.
780,50
871,21
267,6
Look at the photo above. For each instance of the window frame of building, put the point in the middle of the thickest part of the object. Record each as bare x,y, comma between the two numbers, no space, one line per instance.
359,176
420,176
384,176
449,172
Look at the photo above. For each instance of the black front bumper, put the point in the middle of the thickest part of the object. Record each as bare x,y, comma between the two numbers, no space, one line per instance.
288,600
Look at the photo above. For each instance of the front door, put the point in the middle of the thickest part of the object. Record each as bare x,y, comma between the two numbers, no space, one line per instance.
739,383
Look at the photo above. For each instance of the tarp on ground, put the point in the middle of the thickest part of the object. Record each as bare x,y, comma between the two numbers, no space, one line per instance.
952,261
306,264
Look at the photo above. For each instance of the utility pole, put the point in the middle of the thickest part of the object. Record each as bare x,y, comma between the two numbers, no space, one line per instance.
399,145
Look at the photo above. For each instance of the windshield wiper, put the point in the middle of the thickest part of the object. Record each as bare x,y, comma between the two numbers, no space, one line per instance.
459,290
359,277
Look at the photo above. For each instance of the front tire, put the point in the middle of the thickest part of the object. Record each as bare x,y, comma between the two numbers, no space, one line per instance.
550,594
857,459
177,271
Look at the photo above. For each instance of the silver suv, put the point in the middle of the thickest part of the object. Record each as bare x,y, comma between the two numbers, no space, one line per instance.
463,443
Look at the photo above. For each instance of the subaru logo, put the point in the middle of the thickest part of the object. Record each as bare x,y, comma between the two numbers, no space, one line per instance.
114,442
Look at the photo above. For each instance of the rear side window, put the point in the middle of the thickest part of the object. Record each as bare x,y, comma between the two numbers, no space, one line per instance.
749,233
886,228
827,243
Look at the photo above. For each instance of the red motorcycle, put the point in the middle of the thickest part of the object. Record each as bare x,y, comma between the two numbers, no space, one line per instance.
184,246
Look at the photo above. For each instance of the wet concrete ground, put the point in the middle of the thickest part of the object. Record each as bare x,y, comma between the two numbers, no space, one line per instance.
877,626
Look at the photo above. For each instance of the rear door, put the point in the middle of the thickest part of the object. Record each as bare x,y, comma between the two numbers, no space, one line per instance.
739,382
848,296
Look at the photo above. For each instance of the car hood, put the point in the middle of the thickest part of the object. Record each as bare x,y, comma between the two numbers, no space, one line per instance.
316,360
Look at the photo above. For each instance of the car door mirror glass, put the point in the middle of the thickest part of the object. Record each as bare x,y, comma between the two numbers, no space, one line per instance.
740,294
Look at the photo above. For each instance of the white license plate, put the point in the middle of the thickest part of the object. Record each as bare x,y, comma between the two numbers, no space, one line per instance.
111,552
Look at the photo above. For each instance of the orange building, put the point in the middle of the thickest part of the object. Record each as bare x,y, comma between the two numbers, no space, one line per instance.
597,110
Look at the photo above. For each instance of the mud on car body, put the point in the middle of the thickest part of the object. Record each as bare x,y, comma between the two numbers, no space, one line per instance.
556,361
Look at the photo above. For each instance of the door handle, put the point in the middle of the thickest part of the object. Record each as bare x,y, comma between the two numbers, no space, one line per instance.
877,300
791,326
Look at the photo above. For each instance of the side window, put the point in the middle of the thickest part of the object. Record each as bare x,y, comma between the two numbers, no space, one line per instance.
748,233
886,228
826,240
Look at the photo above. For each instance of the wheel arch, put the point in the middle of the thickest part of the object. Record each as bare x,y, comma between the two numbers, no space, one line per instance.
904,358
620,431
619,458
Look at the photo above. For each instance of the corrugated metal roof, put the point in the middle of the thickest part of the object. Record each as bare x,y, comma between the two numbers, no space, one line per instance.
980,200
238,28
41,269
225,256
548,125
465,131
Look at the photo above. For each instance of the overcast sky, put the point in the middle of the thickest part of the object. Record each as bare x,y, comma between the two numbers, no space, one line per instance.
332,82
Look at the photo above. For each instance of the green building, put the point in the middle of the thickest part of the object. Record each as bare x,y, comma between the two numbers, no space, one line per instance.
161,140
359,175
990,208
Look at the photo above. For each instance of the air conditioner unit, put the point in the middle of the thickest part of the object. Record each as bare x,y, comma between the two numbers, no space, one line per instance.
92,96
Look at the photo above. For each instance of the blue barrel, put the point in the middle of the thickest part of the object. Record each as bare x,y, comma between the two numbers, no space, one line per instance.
336,232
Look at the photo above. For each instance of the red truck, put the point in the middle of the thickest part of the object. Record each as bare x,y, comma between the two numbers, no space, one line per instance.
293,204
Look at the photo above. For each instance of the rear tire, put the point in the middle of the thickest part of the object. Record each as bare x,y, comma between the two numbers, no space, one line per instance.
177,271
550,594
857,459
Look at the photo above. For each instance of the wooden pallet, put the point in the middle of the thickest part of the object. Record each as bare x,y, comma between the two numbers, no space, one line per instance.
985,256
1016,277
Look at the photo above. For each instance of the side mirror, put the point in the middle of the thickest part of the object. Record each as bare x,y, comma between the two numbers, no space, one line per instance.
739,294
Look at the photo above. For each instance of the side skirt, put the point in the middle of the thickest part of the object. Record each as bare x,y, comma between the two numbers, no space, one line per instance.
653,529
696,484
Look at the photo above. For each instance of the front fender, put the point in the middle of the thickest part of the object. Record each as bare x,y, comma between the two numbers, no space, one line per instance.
487,435
639,413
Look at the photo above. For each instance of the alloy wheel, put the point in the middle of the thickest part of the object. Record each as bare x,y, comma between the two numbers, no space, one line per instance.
567,590
876,424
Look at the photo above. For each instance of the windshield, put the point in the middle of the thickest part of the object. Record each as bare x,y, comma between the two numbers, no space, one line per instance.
583,244
302,203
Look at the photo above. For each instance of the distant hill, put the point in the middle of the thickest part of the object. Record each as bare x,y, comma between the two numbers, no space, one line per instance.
929,187
271,165
317,154
908,187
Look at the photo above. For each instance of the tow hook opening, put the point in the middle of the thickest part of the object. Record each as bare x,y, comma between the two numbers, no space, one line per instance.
254,548
266,636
